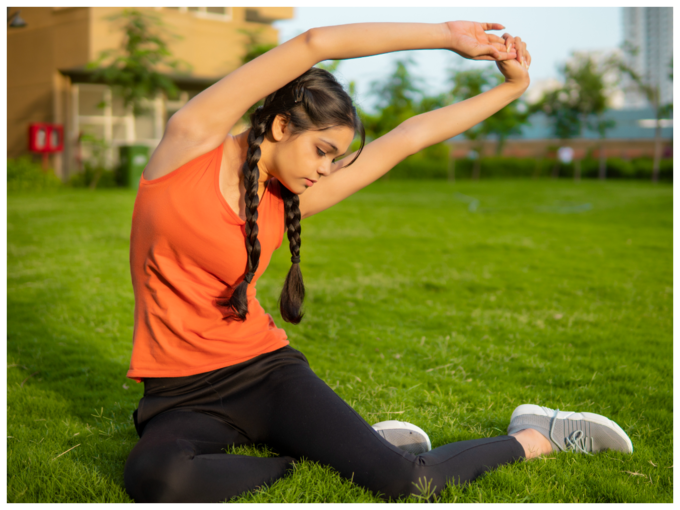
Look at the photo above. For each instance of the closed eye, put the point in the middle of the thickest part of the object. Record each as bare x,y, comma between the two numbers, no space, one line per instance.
320,152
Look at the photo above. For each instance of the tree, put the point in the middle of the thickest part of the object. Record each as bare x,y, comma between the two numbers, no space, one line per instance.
650,88
398,99
96,164
330,65
254,47
586,84
563,117
507,121
133,72
466,84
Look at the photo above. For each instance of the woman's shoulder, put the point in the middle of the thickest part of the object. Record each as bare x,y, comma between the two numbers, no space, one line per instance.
176,151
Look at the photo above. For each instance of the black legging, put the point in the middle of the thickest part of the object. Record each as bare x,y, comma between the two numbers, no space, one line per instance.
276,399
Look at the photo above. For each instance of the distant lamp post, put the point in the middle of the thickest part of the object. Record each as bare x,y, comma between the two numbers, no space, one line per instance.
14,20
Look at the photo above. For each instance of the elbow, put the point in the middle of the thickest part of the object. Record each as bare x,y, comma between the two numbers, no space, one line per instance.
312,40
411,137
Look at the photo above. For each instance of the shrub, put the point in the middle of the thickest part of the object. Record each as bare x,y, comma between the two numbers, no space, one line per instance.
419,167
23,174
105,178
414,167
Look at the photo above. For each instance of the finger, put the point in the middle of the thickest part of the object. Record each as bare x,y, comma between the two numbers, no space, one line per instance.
508,40
490,53
501,47
492,26
495,39
518,45
502,52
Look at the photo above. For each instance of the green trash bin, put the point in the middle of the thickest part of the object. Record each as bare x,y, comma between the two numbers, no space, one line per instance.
133,160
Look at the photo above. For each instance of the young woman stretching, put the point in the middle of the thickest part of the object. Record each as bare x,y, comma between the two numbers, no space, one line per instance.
210,211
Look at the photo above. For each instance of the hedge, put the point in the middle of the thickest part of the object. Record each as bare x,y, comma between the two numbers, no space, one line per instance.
23,174
510,167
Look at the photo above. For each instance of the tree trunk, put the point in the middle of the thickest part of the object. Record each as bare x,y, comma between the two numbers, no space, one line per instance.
97,175
477,168
499,146
657,151
577,170
555,172
451,170
539,163
603,163
556,169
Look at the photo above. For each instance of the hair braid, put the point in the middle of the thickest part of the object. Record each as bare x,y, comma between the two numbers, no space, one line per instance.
293,293
251,174
313,101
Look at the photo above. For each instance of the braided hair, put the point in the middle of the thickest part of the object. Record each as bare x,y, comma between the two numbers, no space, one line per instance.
313,101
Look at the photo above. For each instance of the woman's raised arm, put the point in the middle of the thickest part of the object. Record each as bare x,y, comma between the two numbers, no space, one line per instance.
416,133
212,113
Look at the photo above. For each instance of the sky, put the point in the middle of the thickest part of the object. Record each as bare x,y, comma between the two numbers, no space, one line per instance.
551,35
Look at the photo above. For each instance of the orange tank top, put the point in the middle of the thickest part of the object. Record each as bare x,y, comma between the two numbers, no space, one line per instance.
187,251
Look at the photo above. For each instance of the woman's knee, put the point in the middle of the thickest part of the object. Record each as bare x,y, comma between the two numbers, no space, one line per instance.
157,471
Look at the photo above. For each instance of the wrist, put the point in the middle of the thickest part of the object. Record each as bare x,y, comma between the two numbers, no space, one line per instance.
517,88
446,36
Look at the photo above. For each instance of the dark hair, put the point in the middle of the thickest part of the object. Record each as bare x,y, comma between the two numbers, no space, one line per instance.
313,101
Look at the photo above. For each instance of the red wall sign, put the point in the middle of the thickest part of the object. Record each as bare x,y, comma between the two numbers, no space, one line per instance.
45,138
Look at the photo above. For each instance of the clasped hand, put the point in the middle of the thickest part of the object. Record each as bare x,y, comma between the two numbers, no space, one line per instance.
470,40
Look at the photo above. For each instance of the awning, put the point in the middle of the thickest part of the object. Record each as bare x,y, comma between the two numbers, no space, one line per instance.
189,83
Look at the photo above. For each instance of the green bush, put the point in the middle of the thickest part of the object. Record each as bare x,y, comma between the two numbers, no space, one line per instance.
84,179
23,174
419,167
415,167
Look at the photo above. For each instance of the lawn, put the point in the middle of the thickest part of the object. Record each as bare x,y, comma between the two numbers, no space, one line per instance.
445,305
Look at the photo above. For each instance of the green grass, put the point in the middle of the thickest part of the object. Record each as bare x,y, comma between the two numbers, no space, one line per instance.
422,305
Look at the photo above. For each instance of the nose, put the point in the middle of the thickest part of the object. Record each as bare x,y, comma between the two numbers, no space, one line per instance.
324,169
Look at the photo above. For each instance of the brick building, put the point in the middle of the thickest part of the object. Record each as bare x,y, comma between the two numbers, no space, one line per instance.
47,80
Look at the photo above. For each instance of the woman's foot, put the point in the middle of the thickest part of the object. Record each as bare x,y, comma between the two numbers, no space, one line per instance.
579,432
533,442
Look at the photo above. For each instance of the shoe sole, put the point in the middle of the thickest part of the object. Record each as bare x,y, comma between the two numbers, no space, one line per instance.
567,415
384,427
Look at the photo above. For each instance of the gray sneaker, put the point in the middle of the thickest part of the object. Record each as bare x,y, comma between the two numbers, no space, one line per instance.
579,432
404,435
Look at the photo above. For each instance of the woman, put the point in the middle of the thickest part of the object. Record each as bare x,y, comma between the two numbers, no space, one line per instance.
209,213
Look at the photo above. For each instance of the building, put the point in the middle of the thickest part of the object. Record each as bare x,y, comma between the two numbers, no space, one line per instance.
650,29
633,136
47,80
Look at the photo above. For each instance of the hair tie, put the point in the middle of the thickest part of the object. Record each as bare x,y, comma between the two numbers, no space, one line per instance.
295,260
249,277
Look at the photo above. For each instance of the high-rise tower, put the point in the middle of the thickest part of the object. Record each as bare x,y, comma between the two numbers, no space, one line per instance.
650,29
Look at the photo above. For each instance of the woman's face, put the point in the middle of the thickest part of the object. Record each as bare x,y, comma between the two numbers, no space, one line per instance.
298,161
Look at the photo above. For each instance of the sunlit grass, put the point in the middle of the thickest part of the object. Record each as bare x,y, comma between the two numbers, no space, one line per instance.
445,305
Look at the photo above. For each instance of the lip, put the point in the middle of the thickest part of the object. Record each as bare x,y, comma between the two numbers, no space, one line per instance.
309,182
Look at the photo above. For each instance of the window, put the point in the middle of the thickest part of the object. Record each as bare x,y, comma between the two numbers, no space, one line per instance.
115,124
217,13
89,99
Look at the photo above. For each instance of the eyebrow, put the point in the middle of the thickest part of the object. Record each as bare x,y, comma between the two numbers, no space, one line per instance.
335,149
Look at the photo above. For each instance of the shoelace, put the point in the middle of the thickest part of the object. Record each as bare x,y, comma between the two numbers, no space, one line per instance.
575,441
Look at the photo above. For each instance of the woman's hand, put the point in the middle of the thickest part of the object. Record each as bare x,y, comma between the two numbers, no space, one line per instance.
516,70
469,40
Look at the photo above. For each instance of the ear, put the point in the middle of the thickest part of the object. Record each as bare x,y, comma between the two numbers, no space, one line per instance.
279,127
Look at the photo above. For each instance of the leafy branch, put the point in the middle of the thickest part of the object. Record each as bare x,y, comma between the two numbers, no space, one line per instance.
132,73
